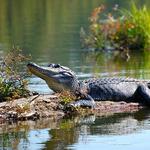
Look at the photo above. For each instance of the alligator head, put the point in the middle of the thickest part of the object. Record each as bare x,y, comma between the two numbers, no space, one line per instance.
58,78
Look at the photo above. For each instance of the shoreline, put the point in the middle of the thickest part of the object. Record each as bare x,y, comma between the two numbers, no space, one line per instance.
49,106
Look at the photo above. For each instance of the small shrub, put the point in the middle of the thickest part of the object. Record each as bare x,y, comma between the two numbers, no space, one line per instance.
12,76
129,30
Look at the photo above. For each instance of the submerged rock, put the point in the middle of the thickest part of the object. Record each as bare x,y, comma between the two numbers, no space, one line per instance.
42,106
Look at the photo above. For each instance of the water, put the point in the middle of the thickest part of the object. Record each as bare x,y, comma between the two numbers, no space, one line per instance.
118,131
49,31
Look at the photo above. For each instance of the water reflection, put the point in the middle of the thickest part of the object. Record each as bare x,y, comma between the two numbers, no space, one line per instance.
112,64
52,134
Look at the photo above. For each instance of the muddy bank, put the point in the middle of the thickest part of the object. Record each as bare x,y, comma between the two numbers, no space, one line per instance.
49,106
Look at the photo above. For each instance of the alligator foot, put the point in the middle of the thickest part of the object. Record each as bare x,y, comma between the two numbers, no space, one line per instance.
75,106
83,103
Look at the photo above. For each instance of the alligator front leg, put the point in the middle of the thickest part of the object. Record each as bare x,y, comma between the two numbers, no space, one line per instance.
142,95
87,102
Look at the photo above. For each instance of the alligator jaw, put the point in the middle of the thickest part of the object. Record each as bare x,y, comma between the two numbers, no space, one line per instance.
58,78
43,72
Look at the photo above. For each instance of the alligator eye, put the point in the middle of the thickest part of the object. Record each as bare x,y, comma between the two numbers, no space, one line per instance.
54,65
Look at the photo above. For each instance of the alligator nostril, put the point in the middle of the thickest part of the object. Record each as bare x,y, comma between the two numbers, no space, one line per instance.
30,64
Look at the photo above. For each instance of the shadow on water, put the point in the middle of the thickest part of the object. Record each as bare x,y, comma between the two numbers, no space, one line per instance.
52,134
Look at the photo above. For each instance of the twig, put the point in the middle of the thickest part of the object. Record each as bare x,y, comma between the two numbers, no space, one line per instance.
34,98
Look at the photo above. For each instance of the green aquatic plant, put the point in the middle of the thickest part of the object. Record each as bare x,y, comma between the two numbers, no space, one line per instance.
13,83
134,31
130,29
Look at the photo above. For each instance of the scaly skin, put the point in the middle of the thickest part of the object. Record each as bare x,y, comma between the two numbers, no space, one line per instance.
60,78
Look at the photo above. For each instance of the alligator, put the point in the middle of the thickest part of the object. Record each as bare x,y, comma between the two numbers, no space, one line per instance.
60,78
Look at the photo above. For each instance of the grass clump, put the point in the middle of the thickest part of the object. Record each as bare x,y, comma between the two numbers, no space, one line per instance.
129,29
22,109
67,97
12,76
